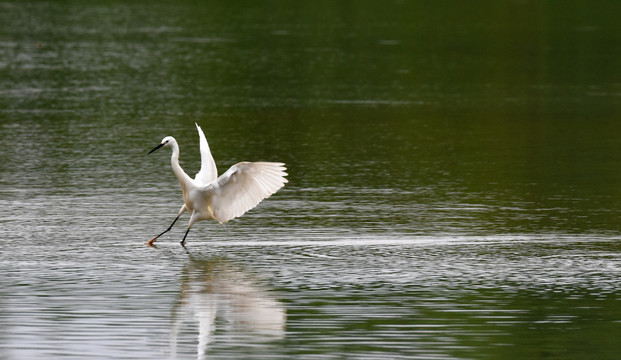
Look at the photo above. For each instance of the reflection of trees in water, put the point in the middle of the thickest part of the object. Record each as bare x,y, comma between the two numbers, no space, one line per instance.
228,304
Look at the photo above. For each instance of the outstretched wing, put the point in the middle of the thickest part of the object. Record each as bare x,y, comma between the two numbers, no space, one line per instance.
208,172
243,187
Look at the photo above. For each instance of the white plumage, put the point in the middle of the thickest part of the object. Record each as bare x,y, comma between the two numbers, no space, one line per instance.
208,171
209,197
242,187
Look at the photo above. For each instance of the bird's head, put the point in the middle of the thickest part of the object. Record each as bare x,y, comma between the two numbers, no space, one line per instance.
167,141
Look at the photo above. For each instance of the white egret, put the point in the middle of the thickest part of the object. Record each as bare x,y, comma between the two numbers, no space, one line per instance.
209,197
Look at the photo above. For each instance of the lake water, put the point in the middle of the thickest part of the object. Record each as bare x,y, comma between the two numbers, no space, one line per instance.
454,178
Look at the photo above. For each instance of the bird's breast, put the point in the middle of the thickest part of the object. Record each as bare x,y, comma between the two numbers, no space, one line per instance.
191,200
195,202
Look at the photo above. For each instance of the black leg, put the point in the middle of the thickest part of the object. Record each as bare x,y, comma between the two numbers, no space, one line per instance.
165,231
184,236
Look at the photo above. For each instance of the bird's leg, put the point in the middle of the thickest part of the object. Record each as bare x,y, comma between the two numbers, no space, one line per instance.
184,236
181,211
193,218
163,232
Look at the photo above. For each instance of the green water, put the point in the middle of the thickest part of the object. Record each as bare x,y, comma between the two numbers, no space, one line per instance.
453,174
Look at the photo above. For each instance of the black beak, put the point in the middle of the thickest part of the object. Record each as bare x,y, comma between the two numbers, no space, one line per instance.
155,148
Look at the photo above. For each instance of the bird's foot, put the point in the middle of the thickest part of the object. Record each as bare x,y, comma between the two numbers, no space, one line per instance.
150,243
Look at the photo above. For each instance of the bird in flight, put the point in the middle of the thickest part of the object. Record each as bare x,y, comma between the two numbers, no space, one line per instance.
209,197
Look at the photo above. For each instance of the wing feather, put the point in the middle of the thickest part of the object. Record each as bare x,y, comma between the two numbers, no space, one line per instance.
208,171
242,187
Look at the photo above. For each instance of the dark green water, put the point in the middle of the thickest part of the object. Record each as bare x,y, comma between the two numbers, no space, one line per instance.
453,167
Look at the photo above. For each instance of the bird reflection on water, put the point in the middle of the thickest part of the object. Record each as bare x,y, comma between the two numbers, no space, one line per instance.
226,305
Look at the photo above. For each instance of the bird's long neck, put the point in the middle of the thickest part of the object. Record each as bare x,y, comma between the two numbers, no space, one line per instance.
179,173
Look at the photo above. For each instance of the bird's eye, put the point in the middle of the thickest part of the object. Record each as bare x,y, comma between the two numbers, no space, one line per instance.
166,142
